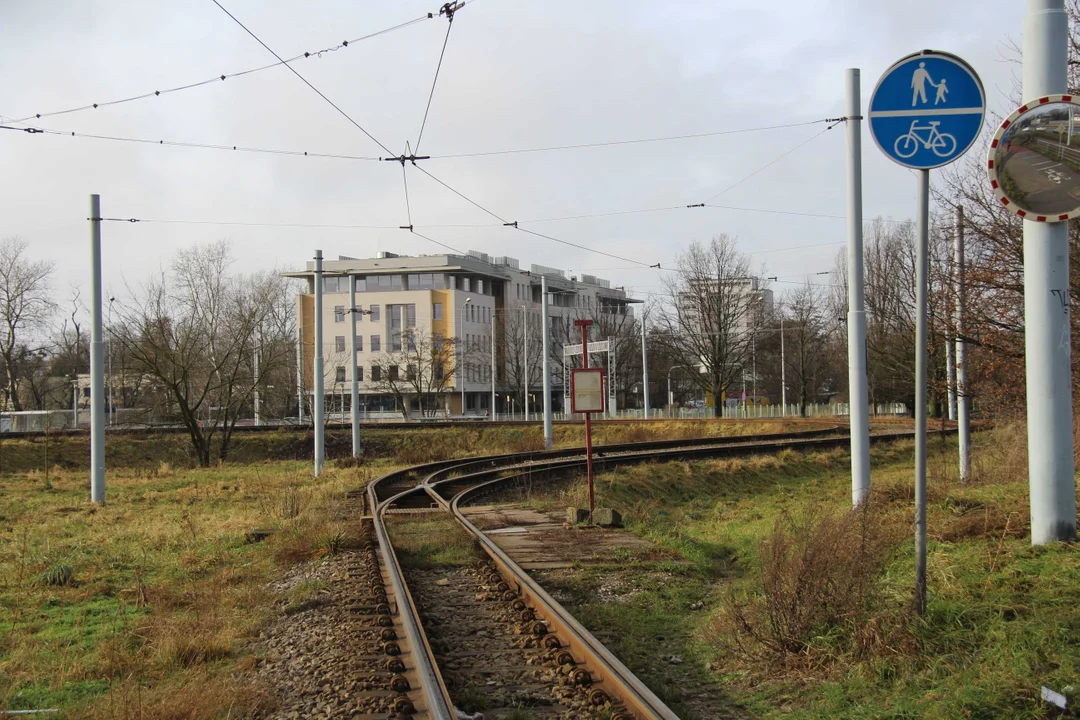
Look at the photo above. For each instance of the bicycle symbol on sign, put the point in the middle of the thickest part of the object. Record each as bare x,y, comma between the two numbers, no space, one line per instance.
943,144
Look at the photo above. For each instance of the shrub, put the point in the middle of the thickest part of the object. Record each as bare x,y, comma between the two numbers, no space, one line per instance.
59,575
821,576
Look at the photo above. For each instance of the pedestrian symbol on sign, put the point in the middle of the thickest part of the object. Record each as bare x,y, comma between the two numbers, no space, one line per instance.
918,85
941,120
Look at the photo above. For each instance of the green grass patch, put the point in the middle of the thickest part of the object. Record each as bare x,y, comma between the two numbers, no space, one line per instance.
432,541
121,609
1003,618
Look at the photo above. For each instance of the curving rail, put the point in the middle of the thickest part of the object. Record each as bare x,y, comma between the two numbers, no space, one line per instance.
453,483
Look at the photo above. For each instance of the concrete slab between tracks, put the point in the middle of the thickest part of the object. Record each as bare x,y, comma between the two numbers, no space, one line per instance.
541,540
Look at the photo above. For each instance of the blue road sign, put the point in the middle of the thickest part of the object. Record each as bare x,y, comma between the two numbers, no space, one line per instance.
927,110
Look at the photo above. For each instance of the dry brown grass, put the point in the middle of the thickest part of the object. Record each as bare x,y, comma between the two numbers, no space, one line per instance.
820,584
216,696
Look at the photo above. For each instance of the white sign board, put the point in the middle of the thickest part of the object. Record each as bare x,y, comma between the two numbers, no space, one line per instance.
587,390
594,347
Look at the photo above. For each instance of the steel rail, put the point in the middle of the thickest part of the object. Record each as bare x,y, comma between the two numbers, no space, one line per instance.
437,700
609,674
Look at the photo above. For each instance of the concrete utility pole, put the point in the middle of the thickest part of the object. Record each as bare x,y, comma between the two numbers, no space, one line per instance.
644,368
300,374
783,372
525,344
255,372
461,342
354,414
546,365
963,414
858,392
97,365
950,375
922,267
1046,307
319,419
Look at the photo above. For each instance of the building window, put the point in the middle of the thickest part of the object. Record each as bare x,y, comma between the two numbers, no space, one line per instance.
411,340
393,373
395,282
361,284
374,313
376,373
410,315
376,344
395,342
436,311
339,343
422,281
339,313
466,284
439,373
480,286
360,373
394,311
339,374
410,373
359,343
437,342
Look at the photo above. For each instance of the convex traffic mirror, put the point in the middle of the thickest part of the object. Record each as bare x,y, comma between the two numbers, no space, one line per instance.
1034,163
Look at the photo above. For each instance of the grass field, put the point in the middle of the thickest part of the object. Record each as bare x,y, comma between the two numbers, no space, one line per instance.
1003,618
118,611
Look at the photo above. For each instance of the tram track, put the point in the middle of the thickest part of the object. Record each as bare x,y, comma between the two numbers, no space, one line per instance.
495,623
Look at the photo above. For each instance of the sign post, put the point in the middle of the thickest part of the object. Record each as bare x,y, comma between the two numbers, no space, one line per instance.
926,111
587,397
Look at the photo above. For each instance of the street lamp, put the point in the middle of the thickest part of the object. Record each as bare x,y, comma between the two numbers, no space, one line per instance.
670,396
112,400
461,366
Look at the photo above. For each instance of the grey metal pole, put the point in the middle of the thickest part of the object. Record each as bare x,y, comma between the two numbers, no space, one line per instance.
493,366
317,410
461,342
300,373
97,365
525,344
255,362
783,372
922,267
963,414
1046,308
950,374
546,364
112,381
858,393
644,368
354,414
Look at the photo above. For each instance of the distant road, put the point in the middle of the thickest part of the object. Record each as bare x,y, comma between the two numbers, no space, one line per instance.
1053,184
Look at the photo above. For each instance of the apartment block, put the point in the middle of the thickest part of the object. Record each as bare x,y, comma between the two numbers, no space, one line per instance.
426,298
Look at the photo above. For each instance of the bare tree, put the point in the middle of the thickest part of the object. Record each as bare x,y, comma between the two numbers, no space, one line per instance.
805,340
194,331
423,371
25,309
710,314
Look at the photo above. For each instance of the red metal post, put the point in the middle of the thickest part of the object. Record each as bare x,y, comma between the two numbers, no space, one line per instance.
584,324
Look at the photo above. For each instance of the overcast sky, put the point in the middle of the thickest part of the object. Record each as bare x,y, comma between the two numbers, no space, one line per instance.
515,75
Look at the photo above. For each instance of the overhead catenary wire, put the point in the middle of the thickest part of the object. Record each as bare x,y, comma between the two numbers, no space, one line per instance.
224,76
183,144
774,161
638,141
449,9
303,79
